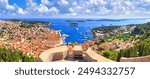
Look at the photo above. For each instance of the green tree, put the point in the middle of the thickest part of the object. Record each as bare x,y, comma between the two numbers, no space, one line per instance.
14,56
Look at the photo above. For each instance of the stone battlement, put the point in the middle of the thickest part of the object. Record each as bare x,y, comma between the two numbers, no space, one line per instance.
62,52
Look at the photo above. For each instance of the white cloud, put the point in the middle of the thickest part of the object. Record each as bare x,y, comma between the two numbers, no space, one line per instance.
128,3
122,7
13,14
78,7
71,10
87,11
5,4
146,0
45,2
63,2
10,7
90,7
97,2
75,9
20,11
54,10
31,5
73,14
43,9
104,11
74,3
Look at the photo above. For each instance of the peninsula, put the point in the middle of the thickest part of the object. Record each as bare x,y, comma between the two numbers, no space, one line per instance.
124,43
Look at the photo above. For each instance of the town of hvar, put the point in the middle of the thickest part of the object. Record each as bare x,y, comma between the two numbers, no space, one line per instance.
26,41
74,31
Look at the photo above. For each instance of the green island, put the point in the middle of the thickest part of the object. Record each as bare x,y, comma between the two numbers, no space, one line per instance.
44,23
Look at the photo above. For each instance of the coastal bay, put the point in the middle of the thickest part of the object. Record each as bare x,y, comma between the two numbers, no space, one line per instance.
82,32
42,38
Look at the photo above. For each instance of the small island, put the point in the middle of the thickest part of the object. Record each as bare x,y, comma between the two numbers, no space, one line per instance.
75,21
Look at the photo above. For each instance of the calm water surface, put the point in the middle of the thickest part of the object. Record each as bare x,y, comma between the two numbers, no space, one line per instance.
82,32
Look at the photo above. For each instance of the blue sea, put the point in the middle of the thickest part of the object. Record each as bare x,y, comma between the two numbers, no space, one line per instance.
82,32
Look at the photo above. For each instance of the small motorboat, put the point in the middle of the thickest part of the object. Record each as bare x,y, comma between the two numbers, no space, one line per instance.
73,24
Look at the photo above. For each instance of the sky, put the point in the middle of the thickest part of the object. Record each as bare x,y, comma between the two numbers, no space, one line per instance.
74,8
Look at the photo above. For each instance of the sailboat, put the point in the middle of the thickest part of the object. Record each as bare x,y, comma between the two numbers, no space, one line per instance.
77,28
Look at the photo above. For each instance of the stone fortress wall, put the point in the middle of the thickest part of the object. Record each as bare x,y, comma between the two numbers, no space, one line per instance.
136,59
